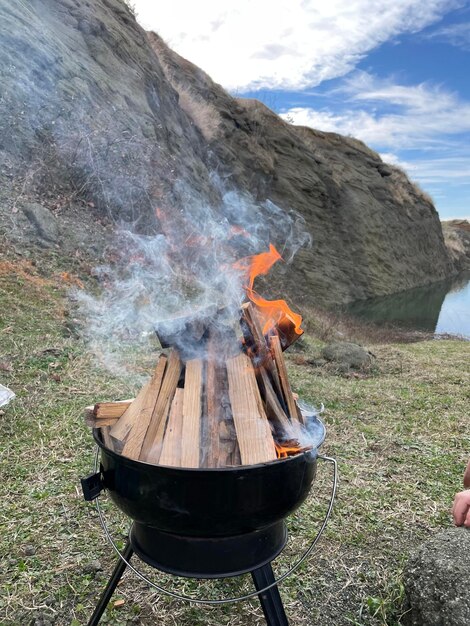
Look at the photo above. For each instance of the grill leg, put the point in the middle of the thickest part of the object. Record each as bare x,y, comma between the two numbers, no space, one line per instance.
111,586
271,602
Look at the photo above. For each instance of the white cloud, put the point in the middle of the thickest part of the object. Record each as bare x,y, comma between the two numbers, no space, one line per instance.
433,171
442,170
393,159
457,35
419,116
284,44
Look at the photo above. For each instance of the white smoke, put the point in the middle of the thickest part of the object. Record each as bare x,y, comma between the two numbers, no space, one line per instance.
183,272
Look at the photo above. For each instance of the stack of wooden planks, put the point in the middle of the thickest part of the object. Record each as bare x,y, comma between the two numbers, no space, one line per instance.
221,409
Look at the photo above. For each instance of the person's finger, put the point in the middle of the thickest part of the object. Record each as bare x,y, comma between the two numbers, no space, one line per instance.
466,476
467,518
461,507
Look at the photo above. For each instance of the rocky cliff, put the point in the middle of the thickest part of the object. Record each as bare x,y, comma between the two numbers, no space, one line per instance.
457,238
101,123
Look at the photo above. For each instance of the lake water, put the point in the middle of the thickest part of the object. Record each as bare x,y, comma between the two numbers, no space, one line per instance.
443,307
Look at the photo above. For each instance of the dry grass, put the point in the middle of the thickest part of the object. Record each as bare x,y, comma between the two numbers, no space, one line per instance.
204,116
400,436
405,190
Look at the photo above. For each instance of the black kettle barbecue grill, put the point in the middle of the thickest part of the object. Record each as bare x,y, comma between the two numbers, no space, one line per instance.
206,523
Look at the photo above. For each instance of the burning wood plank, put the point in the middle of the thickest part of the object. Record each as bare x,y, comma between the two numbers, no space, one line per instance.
253,432
254,338
285,328
153,439
274,410
288,331
256,343
278,356
142,404
171,449
190,445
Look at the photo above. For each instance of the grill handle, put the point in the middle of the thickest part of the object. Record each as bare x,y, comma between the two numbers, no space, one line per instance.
92,486
247,596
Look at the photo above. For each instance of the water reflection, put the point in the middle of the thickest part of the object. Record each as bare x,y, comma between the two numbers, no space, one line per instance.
443,307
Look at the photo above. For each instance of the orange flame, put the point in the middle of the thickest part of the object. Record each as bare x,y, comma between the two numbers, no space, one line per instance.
272,312
289,448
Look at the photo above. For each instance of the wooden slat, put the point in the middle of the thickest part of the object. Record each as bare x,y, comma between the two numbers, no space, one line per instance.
287,332
107,439
190,445
171,449
135,438
103,410
284,379
256,342
143,403
92,422
254,338
152,442
121,428
274,410
219,438
229,451
213,389
253,432
109,412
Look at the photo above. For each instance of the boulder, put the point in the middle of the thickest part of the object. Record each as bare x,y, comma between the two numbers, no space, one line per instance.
437,581
347,355
43,221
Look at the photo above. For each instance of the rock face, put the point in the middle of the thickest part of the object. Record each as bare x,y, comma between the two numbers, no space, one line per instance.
457,239
99,121
86,109
437,581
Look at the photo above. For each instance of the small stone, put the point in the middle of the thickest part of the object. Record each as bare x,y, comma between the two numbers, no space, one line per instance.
29,550
92,567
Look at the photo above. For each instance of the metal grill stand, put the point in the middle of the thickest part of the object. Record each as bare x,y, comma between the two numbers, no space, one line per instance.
228,556
270,599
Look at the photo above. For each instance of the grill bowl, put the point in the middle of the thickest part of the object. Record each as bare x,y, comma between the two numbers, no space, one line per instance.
215,502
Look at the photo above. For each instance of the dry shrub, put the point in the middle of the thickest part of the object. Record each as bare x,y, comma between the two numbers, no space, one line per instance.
405,190
204,115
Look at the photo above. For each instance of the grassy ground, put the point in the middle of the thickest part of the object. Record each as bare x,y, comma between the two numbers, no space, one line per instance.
400,435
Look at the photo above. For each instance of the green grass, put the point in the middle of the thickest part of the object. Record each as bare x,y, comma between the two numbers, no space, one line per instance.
400,435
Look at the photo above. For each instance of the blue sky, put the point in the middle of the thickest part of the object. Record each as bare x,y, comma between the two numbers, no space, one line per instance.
394,74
